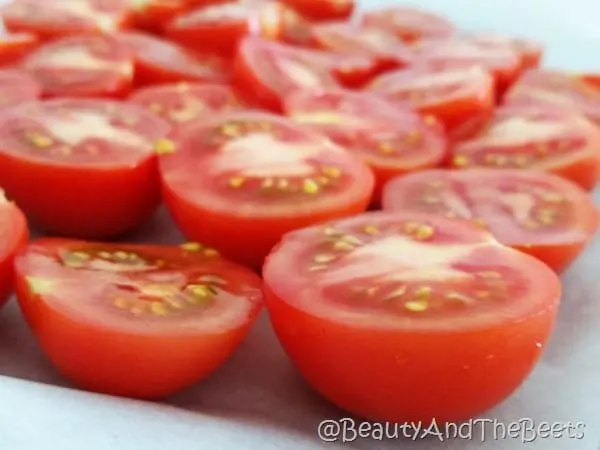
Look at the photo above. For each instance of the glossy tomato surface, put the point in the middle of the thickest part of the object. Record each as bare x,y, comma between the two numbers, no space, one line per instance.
13,235
51,19
408,23
153,15
135,320
82,66
540,214
160,61
374,309
265,72
262,176
532,138
13,47
323,10
82,168
17,87
460,98
390,139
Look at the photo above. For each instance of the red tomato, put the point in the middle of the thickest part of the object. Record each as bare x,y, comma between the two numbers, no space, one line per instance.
409,316
262,177
323,10
408,23
529,138
461,98
17,87
161,61
51,18
342,37
13,47
183,103
540,214
135,320
13,235
82,66
389,139
529,52
82,168
265,72
282,23
152,15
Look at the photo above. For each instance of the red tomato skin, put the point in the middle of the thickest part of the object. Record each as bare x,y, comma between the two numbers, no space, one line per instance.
153,16
361,371
322,10
16,46
20,237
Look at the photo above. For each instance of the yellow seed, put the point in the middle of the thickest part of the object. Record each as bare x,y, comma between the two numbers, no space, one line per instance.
331,232
39,140
500,160
370,229
310,186
230,130
213,279
265,126
489,274
121,303
267,183
460,161
317,267
121,255
332,172
521,160
200,291
342,246
191,247
283,184
351,239
322,259
398,292
211,252
386,147
552,197
546,219
424,232
105,255
423,292
164,146
457,296
237,182
416,305
80,255
159,309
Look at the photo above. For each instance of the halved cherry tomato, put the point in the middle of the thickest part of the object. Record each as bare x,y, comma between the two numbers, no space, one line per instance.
282,23
139,321
82,167
322,10
552,141
391,140
461,98
17,87
13,47
265,72
13,236
82,66
183,103
540,214
153,15
161,61
262,176
50,18
409,23
405,317
530,52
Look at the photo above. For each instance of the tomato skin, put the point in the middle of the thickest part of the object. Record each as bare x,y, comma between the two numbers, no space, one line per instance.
16,238
13,47
152,15
322,10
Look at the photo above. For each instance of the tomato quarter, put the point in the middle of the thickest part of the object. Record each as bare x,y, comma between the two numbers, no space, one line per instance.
83,168
13,235
390,139
374,309
13,47
530,138
263,176
17,87
408,23
135,320
323,10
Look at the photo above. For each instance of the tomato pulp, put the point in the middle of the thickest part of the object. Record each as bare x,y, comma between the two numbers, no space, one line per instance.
135,320
374,309
323,10
17,87
263,176
13,235
13,47
408,23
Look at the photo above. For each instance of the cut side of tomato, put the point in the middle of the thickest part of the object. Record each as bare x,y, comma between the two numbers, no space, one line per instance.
153,15
13,236
460,98
82,167
17,87
530,52
182,103
391,140
540,214
149,320
280,22
13,47
408,23
265,72
373,309
160,61
323,10
82,66
51,19
531,138
263,176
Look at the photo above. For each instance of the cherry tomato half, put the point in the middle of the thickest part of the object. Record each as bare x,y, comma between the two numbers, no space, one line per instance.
13,47
17,87
82,168
135,320
13,235
409,316
531,138
529,52
153,15
408,23
323,10
391,140
262,176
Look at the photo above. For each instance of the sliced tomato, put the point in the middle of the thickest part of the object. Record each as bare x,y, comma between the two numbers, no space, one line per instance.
182,103
160,61
540,214
530,52
282,23
13,236
82,66
17,87
153,15
343,37
391,140
13,47
265,72
149,320
50,18
409,23
323,10
531,138
82,167
263,176
460,98
374,309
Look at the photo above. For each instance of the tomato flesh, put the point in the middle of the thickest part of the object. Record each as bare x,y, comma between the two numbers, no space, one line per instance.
409,24
13,47
323,10
264,176
538,213
530,53
391,140
17,87
148,320
355,309
13,236
532,138
153,15
82,168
